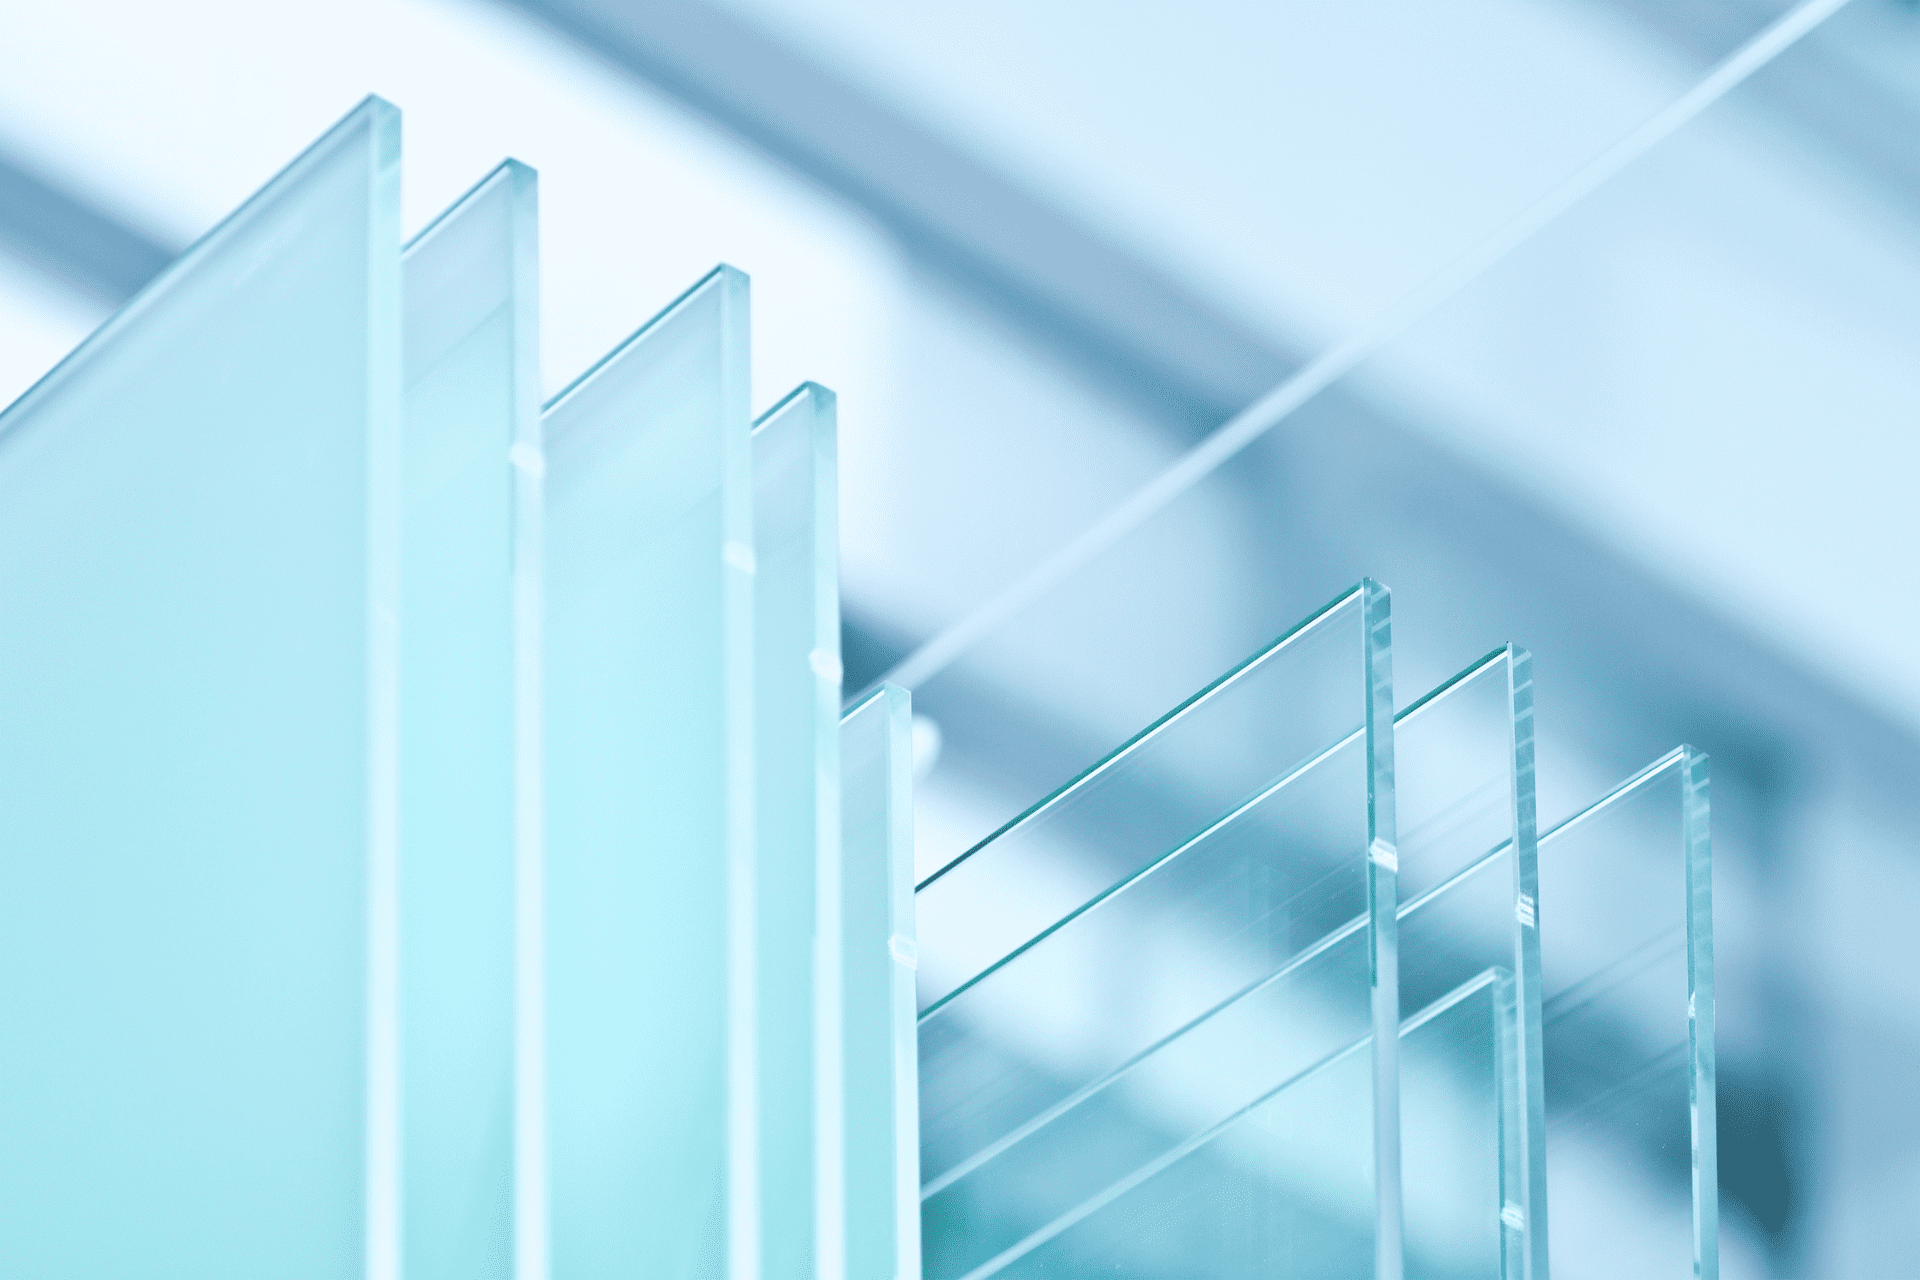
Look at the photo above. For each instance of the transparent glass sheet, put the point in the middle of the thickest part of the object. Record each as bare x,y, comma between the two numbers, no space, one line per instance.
1037,1074
1464,797
1281,1185
197,554
796,620
471,376
1146,1038
1627,955
649,656
1230,743
877,1110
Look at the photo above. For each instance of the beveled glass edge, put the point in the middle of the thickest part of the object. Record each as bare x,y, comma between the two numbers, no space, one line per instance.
1112,758
373,114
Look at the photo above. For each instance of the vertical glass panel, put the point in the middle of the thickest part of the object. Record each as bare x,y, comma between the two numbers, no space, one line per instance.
878,1106
1228,744
1627,955
1036,1074
197,563
471,406
796,621
1015,1138
1464,797
649,655
1281,1185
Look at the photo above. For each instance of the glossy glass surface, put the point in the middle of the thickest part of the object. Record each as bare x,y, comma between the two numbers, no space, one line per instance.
198,559
471,411
1629,1029
877,1108
649,665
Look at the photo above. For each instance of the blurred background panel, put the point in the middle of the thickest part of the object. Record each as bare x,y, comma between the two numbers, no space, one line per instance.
1668,443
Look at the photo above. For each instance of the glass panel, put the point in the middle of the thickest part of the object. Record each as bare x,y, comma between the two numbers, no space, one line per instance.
1281,1186
1464,797
1228,744
198,513
796,619
1036,1093
1244,899
649,656
1627,955
471,401
879,1106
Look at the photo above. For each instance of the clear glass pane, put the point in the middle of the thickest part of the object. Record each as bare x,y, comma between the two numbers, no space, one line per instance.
471,406
197,552
1125,1038
1030,1070
1282,1185
1627,955
1464,796
649,662
796,699
1296,699
878,1107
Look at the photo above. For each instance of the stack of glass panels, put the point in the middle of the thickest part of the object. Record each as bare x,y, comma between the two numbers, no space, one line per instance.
435,846
424,815
1176,1073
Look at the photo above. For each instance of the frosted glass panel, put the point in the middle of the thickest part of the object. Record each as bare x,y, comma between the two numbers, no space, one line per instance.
471,405
877,1109
1626,929
649,657
197,556
796,699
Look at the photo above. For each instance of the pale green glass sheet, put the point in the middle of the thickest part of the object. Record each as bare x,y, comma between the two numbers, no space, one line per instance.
1464,796
1216,752
796,620
1026,1134
876,1113
1271,1188
197,564
649,836
1017,1065
471,377
1626,929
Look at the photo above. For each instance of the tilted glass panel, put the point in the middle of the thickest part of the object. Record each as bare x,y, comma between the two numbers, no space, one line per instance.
471,407
1626,939
1464,796
1213,754
877,1108
1029,1040
1280,1187
649,656
198,519
796,693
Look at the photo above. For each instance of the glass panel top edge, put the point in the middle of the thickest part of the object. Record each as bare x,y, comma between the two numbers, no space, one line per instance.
1352,597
